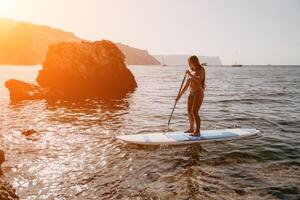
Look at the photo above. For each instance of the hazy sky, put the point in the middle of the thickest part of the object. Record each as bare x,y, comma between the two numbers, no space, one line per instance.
262,31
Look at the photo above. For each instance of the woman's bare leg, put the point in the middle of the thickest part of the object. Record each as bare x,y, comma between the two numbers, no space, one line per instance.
195,109
190,114
198,123
191,119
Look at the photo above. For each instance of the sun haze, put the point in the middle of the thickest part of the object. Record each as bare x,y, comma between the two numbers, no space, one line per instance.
262,32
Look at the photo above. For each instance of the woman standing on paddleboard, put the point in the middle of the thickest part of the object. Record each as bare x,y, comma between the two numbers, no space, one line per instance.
196,86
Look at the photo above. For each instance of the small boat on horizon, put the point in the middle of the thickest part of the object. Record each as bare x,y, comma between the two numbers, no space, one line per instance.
163,62
235,62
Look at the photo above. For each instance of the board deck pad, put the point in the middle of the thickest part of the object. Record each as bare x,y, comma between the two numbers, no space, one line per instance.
179,137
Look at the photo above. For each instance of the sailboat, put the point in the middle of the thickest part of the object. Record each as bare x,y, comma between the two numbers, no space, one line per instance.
235,62
163,61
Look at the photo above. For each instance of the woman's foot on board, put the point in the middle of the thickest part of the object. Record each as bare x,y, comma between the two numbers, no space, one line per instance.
195,134
189,131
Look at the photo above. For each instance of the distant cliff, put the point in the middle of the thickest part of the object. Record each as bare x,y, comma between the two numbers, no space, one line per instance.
24,43
136,56
182,59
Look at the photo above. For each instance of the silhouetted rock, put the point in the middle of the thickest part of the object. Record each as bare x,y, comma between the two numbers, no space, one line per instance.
28,132
20,90
86,69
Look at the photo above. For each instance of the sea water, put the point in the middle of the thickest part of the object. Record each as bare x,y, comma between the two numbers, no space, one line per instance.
74,154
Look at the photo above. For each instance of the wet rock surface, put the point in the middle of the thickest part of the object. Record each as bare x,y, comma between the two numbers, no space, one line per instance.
87,69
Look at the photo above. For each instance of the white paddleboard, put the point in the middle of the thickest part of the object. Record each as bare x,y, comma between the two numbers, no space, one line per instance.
180,138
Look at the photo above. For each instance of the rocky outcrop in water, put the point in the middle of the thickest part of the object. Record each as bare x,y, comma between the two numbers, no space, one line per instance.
74,70
20,90
6,190
86,69
28,132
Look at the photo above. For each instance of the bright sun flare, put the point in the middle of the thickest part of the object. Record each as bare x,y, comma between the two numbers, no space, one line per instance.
7,8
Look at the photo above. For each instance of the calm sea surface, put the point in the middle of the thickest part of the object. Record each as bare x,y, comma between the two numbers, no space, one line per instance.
74,154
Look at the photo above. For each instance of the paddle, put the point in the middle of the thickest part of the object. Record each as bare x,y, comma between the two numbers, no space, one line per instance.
176,98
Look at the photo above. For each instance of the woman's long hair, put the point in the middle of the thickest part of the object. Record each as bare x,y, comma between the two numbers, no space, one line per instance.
195,61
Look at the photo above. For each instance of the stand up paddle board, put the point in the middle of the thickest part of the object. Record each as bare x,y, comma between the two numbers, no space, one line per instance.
180,138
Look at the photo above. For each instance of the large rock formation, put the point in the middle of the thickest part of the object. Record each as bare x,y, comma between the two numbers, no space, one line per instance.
27,44
74,70
6,190
136,56
86,69
182,59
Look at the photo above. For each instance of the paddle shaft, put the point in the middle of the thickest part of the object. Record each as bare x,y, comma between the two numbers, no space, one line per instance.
176,98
